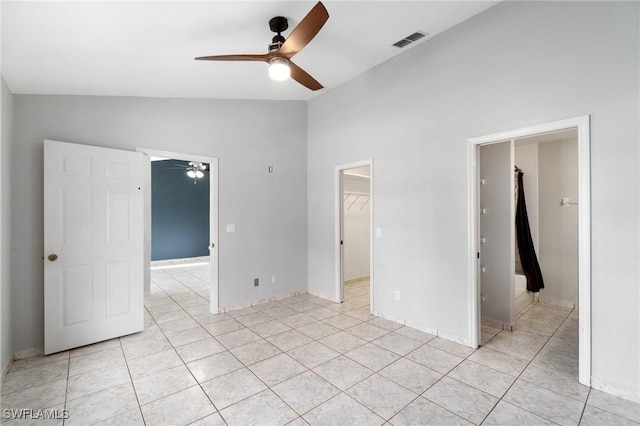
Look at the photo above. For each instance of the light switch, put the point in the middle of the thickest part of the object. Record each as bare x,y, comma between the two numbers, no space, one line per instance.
231,227
378,233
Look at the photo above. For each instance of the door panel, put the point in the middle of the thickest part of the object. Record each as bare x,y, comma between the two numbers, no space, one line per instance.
497,232
93,223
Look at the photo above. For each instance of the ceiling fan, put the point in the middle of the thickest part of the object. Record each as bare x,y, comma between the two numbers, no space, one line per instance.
281,50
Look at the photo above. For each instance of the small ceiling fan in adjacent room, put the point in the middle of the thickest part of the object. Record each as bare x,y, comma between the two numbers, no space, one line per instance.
281,50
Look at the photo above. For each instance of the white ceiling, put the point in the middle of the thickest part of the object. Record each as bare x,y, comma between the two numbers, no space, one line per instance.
147,48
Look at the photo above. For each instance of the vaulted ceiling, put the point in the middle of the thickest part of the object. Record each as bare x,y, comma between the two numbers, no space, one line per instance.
147,48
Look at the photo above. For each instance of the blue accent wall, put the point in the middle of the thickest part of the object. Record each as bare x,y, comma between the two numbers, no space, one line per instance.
179,212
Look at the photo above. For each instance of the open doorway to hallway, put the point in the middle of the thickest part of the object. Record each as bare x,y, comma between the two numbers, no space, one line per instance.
356,240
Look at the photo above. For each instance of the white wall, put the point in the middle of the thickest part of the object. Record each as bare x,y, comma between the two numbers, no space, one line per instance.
517,64
6,119
269,209
558,254
357,228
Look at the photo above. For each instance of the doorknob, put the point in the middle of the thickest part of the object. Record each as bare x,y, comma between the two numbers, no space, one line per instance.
52,257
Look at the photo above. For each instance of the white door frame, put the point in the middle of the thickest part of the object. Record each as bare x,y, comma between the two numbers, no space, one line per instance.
339,208
584,230
213,219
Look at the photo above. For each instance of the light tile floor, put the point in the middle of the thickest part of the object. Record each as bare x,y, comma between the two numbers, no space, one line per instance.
306,360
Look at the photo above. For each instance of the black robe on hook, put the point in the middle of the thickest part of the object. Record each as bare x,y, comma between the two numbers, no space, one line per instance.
526,249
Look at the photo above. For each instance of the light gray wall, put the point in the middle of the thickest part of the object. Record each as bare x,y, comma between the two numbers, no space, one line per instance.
357,229
269,209
558,170
515,65
6,113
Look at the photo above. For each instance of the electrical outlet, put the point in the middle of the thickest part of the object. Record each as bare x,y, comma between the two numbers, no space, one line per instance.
273,279
396,295
256,282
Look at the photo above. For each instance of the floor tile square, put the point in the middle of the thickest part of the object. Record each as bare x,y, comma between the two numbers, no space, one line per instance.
254,352
101,405
342,342
594,416
317,330
435,359
312,354
96,380
305,391
200,349
342,410
289,340
182,407
264,408
373,357
508,414
484,378
342,321
463,400
237,338
545,403
500,361
397,343
556,381
214,366
613,404
381,395
277,369
153,363
158,385
422,412
411,375
270,328
367,331
233,387
342,372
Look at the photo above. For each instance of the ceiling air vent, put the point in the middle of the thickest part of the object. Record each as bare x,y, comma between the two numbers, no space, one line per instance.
409,39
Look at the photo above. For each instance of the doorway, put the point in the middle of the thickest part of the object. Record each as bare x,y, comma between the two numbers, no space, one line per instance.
354,199
503,144
203,268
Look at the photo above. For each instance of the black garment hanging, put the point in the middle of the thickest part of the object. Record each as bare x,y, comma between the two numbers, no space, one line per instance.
527,251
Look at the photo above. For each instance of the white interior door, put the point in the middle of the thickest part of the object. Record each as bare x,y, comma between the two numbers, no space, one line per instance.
497,245
93,242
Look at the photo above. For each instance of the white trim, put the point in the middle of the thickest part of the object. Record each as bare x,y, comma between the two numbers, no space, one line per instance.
584,230
339,270
214,288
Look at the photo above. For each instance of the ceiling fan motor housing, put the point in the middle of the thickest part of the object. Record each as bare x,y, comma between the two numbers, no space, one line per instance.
277,25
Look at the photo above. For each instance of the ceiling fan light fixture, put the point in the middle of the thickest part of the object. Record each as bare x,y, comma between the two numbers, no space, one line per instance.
191,174
279,69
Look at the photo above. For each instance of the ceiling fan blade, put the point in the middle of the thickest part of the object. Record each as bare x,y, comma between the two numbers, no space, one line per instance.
302,77
248,57
305,31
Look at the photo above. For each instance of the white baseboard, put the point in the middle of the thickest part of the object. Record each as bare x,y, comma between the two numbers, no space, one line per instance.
357,280
28,353
633,396
261,301
323,296
178,262
426,328
5,369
